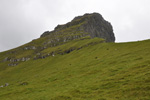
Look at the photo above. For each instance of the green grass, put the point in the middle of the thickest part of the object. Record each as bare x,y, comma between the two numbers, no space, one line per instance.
97,71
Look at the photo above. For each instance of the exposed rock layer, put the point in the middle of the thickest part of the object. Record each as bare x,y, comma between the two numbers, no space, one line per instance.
93,25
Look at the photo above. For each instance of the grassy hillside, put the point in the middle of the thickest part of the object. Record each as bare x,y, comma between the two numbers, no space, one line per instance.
83,69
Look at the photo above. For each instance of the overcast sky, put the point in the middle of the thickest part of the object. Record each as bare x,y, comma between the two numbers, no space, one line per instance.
24,20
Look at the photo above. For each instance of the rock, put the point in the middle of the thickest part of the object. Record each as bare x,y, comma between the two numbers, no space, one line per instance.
7,59
12,52
61,53
33,47
27,59
25,48
13,64
69,50
24,83
46,33
93,25
38,54
29,48
79,48
1,86
52,54
97,26
12,60
6,84
18,60
24,59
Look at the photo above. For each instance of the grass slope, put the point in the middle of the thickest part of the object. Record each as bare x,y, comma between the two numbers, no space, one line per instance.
98,71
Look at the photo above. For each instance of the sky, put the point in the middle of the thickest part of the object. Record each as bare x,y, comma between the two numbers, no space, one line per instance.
21,21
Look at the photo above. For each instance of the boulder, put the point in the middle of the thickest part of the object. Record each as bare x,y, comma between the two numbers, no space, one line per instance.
1,86
6,84
7,59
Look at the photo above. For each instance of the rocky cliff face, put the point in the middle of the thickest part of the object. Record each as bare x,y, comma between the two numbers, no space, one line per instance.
93,25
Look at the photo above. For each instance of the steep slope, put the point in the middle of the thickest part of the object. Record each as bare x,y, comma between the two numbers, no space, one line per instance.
77,61
103,71
87,26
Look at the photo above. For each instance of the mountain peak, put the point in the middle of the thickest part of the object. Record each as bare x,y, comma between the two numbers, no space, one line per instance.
86,15
90,24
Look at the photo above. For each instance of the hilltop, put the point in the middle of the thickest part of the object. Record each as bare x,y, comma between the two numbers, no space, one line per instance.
87,26
77,61
92,25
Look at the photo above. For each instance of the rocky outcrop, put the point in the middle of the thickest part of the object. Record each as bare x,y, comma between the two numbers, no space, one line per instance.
93,25
81,27
29,48
62,52
6,84
13,64
15,61
98,27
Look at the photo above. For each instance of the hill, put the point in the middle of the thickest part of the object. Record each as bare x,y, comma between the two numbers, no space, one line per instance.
83,68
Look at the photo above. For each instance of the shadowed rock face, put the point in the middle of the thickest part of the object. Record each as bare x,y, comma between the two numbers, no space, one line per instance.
94,25
98,27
